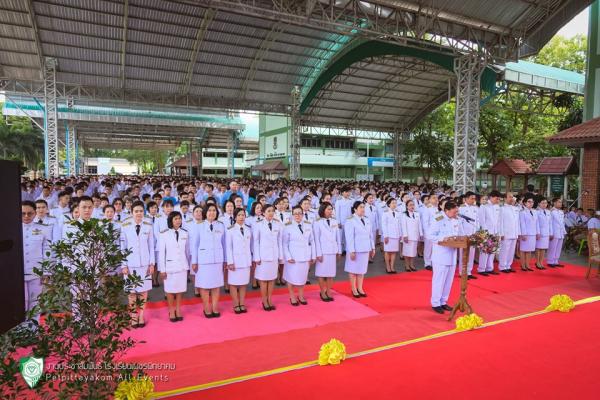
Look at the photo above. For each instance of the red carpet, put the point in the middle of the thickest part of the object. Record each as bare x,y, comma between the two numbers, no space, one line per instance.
551,356
402,301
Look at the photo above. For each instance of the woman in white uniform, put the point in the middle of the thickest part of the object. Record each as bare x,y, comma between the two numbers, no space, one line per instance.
268,253
558,234
391,232
283,216
174,262
239,259
544,222
208,260
328,244
529,232
412,231
256,216
228,220
360,247
192,226
299,249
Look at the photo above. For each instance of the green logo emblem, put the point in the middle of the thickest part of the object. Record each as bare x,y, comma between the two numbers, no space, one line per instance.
31,368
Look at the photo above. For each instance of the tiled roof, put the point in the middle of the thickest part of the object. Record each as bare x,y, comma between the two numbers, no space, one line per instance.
557,166
586,132
510,167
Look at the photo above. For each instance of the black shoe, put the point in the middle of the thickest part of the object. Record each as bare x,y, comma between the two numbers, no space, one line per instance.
307,282
559,265
197,295
551,265
227,290
475,262
329,298
362,294
388,272
208,315
483,273
272,307
394,272
493,273
237,310
356,296
446,307
505,271
429,268
143,324
173,319
325,299
303,302
135,326
438,310
296,304
155,285
255,287
471,277
370,261
243,308
512,271
517,258
179,319
540,267
266,308
216,314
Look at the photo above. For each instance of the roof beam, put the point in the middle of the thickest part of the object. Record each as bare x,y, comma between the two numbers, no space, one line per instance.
206,21
36,35
124,41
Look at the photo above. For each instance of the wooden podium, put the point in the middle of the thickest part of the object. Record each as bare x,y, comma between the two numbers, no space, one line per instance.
461,243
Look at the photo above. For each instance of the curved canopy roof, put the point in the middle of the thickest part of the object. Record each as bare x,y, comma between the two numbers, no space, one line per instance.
249,55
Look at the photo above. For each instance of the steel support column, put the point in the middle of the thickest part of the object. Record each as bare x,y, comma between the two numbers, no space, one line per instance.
295,134
189,159
468,71
397,156
71,151
50,118
233,142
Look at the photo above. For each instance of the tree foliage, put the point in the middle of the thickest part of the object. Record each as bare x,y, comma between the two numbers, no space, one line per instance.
565,53
20,141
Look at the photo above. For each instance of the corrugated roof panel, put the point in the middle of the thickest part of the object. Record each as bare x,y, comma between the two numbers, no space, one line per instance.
216,70
79,41
152,75
168,6
19,59
156,87
73,14
15,45
153,28
88,80
155,62
210,92
207,80
144,11
78,28
75,53
159,39
88,68
20,72
158,51
102,6
272,99
14,18
17,32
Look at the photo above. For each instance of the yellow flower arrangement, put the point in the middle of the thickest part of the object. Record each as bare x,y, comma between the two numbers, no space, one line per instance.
560,302
332,352
468,322
135,389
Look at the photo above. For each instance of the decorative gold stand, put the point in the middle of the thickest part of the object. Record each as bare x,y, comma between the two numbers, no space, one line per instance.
461,243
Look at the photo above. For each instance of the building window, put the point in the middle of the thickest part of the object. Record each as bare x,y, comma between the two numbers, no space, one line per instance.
311,142
92,169
339,144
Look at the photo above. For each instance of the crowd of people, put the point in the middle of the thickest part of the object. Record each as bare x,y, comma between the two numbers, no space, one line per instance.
229,234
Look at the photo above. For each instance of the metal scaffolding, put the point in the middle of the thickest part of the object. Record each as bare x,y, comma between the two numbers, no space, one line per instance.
296,134
233,144
50,118
71,149
468,69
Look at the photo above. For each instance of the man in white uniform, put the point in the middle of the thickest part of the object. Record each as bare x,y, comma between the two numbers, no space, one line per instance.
489,219
469,218
509,231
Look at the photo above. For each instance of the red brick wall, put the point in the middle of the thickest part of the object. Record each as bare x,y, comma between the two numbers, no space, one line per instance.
591,176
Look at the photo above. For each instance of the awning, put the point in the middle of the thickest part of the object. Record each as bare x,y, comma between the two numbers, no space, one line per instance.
270,166
558,166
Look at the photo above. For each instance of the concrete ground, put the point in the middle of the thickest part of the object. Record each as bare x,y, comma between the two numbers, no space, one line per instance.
375,269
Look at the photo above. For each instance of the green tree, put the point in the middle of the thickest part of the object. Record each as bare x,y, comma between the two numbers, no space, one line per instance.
565,53
20,141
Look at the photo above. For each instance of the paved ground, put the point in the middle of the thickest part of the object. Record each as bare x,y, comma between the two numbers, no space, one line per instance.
376,268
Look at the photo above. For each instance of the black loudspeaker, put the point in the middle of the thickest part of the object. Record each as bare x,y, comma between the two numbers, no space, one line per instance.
12,289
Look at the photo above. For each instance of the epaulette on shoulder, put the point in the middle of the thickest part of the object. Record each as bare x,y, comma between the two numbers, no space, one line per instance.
288,223
307,222
231,227
247,225
318,219
125,219
183,229
439,218
145,223
350,217
164,230
124,224
189,220
68,217
217,221
50,216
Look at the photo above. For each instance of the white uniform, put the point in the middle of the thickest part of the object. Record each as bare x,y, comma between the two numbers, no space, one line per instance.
544,224
489,219
208,251
359,240
36,243
267,248
391,228
51,225
529,228
373,215
174,259
413,230
509,230
227,220
469,228
238,251
558,235
283,217
426,219
328,244
309,216
142,251
343,210
298,245
443,258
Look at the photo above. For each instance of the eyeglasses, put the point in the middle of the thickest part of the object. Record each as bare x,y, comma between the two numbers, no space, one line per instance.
28,214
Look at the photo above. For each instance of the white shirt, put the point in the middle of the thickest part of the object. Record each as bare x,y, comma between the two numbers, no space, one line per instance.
173,253
391,224
358,236
442,228
299,245
328,236
36,242
141,245
208,245
268,242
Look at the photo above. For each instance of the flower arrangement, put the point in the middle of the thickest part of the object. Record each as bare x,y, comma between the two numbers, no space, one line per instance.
332,352
468,322
135,389
560,302
485,242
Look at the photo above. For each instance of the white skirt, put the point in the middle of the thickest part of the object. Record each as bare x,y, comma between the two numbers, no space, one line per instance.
359,265
409,249
528,244
393,245
239,277
296,273
146,284
542,243
176,282
209,276
328,267
267,270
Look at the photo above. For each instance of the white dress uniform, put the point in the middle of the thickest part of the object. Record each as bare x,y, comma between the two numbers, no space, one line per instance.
309,216
174,259
489,219
359,240
227,220
283,217
544,225
373,215
298,245
141,243
343,211
208,251
36,242
443,258
469,228
328,244
558,235
509,229
529,228
51,225
411,228
426,219
239,253
267,248
391,228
